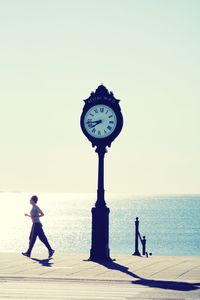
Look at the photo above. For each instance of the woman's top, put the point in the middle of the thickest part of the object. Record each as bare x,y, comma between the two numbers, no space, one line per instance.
35,214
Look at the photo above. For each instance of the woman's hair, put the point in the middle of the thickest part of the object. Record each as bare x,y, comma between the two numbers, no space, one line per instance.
34,198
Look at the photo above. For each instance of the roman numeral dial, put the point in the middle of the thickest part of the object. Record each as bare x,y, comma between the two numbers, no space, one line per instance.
100,121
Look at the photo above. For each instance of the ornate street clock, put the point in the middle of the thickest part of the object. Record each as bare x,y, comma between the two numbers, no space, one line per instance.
101,122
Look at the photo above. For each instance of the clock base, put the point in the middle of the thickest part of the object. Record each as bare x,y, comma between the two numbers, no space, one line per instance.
100,234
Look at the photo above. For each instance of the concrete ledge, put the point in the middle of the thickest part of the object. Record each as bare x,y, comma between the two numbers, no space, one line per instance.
125,267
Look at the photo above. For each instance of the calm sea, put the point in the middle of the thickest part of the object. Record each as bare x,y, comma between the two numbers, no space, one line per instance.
170,223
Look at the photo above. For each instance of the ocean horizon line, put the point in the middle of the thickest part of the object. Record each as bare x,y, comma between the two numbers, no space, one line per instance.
107,193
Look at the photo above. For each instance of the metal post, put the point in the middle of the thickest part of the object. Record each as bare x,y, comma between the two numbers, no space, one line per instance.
136,237
100,216
100,191
144,245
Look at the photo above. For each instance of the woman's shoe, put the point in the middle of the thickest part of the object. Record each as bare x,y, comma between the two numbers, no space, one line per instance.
51,252
26,254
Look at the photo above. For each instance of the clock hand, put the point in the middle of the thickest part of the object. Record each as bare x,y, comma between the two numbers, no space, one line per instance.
89,122
97,122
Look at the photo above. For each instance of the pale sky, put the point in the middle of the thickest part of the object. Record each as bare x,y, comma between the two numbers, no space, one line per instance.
54,53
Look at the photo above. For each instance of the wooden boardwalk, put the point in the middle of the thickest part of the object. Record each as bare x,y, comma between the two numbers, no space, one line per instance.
71,277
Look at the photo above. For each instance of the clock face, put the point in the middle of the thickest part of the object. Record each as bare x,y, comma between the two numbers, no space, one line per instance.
100,121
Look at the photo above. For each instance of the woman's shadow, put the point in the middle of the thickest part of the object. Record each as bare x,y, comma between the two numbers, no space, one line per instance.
43,262
162,284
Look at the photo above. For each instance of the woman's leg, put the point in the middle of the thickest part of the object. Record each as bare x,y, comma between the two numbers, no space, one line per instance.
43,238
32,237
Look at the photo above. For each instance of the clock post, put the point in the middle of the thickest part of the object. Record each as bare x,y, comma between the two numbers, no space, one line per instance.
101,122
100,191
100,216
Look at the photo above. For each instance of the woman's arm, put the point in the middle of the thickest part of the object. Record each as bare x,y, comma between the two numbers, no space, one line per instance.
27,215
40,213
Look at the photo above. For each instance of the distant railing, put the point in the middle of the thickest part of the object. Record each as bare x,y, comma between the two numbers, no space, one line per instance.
142,240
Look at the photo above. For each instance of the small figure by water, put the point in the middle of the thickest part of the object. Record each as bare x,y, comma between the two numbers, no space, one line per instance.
36,230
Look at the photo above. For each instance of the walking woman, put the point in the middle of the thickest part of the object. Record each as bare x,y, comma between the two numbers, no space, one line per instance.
36,230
